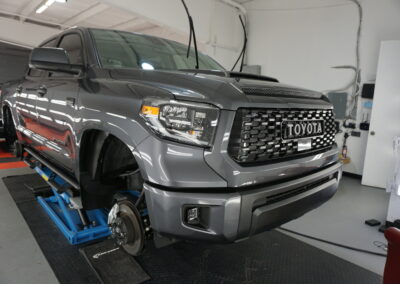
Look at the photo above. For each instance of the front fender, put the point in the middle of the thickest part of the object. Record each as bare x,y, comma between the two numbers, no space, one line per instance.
114,107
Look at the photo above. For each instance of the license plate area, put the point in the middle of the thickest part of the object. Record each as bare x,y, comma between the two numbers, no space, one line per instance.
304,144
296,129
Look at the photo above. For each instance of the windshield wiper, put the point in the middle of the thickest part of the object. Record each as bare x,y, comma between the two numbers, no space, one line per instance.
243,53
192,35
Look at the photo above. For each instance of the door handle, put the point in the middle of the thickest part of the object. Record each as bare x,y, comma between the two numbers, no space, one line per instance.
19,89
42,90
58,141
70,102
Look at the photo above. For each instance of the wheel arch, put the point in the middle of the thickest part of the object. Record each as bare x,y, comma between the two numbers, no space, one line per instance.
7,106
93,147
99,136
5,102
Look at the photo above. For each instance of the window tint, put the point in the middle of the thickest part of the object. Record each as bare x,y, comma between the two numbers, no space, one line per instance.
51,43
73,45
36,72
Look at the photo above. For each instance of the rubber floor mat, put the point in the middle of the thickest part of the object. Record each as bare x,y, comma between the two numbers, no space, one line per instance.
112,265
271,257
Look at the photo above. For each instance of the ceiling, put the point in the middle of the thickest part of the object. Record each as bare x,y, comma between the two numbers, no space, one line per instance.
243,1
90,13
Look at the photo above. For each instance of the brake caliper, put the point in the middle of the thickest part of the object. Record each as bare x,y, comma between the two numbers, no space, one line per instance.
115,223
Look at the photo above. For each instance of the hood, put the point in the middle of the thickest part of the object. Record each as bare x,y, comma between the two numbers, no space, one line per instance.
227,90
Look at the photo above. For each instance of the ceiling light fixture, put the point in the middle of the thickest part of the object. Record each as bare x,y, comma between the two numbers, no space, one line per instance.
47,4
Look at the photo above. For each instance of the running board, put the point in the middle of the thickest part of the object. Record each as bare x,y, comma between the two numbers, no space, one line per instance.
68,179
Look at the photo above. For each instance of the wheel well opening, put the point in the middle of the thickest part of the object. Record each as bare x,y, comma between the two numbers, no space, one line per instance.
107,166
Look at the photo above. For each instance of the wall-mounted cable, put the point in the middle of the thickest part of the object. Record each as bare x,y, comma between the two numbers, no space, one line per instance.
243,52
357,82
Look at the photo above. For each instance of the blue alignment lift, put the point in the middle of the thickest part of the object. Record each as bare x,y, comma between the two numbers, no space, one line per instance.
78,226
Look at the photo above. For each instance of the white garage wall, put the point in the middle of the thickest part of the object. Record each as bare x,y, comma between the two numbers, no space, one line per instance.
298,41
16,61
24,34
225,39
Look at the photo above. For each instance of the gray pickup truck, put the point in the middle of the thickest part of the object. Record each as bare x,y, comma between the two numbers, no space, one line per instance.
217,155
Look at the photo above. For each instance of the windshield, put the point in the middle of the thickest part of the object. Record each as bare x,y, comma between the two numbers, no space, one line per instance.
118,49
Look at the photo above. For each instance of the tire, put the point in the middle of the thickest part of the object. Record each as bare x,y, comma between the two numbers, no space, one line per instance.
9,128
109,171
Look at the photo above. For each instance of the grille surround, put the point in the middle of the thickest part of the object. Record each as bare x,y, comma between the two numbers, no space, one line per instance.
281,91
256,135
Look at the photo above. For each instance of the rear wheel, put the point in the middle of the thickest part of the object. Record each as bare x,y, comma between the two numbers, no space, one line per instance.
9,128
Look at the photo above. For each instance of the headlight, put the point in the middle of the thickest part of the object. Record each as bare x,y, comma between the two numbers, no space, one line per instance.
185,122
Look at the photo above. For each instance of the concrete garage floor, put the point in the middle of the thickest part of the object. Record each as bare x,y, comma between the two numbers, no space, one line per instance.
21,260
339,220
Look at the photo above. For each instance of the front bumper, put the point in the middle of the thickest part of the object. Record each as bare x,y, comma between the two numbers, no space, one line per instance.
237,215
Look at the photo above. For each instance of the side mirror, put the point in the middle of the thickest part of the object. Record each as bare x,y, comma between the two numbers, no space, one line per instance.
52,59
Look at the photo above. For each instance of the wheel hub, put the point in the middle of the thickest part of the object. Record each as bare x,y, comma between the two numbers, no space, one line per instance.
118,232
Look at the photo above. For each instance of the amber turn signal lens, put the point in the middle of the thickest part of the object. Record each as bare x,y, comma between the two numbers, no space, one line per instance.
150,110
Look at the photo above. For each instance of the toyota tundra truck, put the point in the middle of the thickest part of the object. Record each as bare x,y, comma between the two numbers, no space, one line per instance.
216,155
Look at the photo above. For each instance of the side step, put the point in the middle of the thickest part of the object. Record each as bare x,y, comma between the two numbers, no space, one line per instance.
54,169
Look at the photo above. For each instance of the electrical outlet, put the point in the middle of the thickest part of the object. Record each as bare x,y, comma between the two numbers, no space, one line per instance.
351,125
364,126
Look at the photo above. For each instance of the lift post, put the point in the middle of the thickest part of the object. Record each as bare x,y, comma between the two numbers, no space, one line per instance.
78,226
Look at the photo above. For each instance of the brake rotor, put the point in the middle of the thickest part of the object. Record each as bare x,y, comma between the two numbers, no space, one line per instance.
127,228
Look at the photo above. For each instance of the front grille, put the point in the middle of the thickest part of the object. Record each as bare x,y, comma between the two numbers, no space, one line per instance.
256,135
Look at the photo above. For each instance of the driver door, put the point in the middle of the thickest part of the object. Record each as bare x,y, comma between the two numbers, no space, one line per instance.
28,96
59,110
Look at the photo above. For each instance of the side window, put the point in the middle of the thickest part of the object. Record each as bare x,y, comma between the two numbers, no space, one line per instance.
36,72
73,45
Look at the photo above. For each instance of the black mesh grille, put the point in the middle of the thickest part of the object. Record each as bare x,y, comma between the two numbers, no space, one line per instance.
256,135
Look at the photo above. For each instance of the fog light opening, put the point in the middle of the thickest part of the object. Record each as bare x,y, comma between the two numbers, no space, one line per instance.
196,216
193,216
